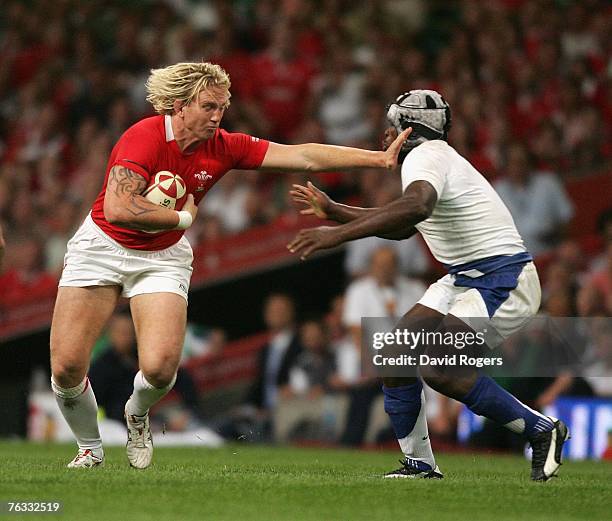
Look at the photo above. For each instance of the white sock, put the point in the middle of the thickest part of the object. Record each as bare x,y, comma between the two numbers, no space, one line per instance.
417,445
79,408
145,395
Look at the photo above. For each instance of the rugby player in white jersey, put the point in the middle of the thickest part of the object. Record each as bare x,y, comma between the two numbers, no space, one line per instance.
490,276
132,247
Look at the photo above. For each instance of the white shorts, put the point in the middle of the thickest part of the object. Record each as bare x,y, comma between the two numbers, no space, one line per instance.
94,259
468,304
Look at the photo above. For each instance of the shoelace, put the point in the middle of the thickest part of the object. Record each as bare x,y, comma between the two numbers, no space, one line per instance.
410,465
82,455
137,429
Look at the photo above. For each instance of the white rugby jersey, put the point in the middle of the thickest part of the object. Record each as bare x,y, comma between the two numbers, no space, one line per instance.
469,221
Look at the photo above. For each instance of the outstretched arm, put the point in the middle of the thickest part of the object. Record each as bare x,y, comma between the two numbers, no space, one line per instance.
414,206
314,157
324,207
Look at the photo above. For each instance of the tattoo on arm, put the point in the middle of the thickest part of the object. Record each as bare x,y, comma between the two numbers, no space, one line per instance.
123,182
140,206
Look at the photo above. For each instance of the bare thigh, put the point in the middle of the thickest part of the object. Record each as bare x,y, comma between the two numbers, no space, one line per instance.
431,320
78,319
159,319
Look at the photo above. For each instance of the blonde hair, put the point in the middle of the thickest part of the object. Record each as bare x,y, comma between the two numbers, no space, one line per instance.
183,82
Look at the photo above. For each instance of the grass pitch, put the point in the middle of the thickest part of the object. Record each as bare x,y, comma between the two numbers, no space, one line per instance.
246,482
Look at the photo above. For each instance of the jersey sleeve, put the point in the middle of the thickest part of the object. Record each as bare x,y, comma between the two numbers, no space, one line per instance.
247,152
425,164
136,150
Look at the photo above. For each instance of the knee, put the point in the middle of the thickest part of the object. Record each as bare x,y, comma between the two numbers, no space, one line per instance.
437,381
159,376
455,386
67,374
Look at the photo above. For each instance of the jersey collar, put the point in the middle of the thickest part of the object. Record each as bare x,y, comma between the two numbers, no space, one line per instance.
168,127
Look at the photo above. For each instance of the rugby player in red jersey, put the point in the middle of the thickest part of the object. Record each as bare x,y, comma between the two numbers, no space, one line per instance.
129,246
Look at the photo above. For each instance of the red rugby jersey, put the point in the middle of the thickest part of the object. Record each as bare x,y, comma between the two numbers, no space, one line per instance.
149,147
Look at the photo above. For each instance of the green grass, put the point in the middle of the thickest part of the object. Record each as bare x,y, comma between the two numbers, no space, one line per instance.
246,482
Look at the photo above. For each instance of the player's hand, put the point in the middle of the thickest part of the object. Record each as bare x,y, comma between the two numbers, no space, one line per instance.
190,206
318,202
309,240
392,150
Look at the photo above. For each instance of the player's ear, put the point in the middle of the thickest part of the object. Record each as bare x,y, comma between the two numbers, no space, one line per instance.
178,106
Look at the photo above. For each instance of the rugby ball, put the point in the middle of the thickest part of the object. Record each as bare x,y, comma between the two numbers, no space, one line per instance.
167,190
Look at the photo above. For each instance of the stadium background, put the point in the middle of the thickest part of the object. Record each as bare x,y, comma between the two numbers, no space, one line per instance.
529,83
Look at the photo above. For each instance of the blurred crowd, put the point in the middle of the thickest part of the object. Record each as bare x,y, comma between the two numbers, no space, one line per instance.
529,83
